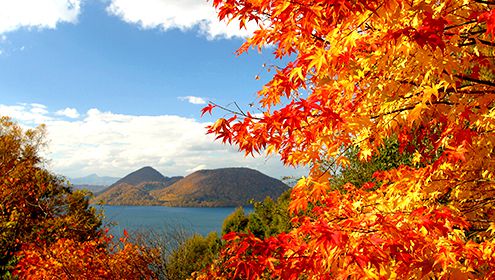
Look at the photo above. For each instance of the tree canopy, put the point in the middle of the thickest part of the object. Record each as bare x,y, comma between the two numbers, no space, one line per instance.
268,218
354,74
48,230
35,205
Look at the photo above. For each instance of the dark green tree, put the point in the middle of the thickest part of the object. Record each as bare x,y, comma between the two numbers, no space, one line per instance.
193,255
390,155
237,221
268,218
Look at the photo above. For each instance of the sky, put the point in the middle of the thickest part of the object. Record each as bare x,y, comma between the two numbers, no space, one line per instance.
120,84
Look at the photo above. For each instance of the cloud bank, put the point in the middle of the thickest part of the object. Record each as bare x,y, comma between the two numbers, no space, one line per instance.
115,144
173,14
15,14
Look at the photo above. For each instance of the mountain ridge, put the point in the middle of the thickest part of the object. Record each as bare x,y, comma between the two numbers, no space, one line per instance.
234,186
143,174
134,188
94,179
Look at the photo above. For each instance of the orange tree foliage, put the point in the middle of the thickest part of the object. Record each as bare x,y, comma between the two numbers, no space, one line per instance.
99,258
49,231
35,205
360,72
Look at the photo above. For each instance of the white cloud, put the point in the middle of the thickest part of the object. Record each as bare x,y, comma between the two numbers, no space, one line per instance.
193,99
115,144
15,14
196,168
68,112
183,15
38,109
29,114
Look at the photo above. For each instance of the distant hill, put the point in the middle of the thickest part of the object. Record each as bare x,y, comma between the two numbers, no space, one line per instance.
93,179
204,188
145,174
95,189
126,194
134,189
92,183
220,187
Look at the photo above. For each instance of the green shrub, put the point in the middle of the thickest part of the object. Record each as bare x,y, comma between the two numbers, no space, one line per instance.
192,255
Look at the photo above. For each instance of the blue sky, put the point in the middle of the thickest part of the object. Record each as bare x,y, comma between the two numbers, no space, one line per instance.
120,83
102,61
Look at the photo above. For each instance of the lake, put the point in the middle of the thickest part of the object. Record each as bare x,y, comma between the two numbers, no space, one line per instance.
161,218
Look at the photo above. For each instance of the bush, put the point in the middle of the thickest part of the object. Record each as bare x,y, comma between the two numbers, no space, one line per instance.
191,256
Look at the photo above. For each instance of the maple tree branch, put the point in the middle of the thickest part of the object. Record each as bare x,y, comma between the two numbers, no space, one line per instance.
239,108
477,203
334,161
237,113
472,91
318,38
474,80
470,32
412,107
485,2
472,41
487,43
404,82
361,230
460,24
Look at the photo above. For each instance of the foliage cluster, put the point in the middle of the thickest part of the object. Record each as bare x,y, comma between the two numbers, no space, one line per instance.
35,205
100,258
354,74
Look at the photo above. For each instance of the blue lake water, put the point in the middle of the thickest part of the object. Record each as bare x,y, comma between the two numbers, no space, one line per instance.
160,218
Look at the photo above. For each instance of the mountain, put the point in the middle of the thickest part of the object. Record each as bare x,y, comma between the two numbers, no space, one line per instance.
204,188
95,189
145,174
92,183
220,187
93,179
134,189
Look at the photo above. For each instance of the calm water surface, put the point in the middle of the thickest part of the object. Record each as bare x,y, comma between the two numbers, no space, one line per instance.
160,218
